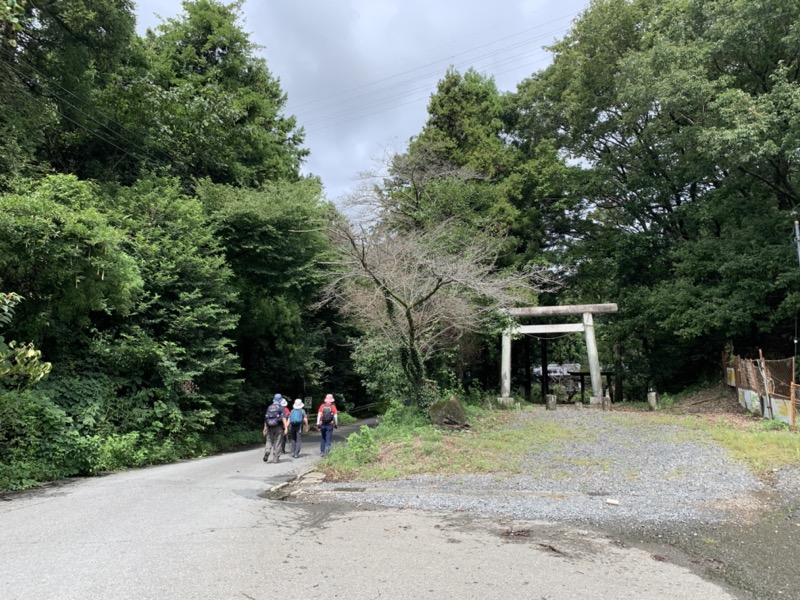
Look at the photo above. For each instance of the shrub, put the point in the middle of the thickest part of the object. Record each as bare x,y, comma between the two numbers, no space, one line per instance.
362,446
39,442
401,415
345,418
121,450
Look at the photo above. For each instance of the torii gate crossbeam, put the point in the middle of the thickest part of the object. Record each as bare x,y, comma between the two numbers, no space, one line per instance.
587,326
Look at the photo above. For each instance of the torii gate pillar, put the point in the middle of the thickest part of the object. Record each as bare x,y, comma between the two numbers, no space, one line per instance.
587,326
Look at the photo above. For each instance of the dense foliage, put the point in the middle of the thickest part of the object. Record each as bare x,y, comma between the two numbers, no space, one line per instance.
158,246
682,117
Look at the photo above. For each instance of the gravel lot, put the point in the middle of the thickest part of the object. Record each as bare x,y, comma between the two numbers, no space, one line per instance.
617,468
657,486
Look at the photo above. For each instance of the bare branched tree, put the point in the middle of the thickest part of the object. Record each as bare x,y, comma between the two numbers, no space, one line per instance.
423,289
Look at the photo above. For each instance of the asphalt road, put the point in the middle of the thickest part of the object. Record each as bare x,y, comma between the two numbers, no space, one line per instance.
206,529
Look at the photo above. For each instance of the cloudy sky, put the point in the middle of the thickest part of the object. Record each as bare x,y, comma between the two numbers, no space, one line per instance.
359,73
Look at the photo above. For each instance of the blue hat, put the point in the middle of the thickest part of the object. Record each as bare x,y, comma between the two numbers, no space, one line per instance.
277,399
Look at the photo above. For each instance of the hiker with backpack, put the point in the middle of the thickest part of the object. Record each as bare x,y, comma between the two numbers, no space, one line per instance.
327,421
285,404
298,424
275,428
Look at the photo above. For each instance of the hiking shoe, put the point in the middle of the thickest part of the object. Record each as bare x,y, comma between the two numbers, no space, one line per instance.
266,456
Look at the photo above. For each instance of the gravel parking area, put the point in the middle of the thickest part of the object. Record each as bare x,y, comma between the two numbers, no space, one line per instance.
617,468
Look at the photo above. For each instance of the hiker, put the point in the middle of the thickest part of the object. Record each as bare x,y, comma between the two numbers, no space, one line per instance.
275,428
298,424
327,421
285,404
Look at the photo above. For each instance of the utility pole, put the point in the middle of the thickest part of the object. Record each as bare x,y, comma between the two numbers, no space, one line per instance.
797,238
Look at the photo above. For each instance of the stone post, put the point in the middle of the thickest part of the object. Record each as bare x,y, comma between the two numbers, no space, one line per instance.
550,401
505,366
652,400
594,360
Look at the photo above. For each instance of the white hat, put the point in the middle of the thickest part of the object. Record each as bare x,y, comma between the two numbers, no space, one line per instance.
298,403
284,402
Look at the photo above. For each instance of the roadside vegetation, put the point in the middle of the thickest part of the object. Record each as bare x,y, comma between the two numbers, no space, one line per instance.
406,443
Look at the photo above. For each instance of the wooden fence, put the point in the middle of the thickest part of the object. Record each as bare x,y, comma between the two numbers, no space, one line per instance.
767,387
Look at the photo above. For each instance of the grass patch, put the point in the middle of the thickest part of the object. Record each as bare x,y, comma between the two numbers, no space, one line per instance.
499,440
763,445
491,445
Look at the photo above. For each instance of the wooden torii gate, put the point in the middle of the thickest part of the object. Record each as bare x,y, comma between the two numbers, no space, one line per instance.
587,326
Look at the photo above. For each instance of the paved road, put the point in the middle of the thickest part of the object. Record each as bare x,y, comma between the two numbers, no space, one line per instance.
203,529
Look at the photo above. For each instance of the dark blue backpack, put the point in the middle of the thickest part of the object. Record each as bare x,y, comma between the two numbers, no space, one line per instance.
274,414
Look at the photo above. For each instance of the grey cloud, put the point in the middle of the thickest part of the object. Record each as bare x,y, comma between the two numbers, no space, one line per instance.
359,73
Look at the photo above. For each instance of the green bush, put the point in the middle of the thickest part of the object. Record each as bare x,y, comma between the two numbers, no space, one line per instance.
39,441
118,451
402,416
345,418
474,396
361,449
378,366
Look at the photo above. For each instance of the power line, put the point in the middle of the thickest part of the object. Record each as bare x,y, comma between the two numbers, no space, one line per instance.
71,120
328,121
88,104
318,119
426,77
436,62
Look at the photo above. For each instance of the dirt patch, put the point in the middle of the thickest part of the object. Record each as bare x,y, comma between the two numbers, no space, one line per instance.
719,400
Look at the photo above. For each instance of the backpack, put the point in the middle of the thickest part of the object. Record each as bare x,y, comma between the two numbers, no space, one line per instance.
296,416
274,414
327,416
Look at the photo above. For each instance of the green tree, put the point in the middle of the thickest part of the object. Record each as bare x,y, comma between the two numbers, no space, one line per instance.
465,124
466,167
199,102
24,115
174,348
68,50
61,253
275,243
681,116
